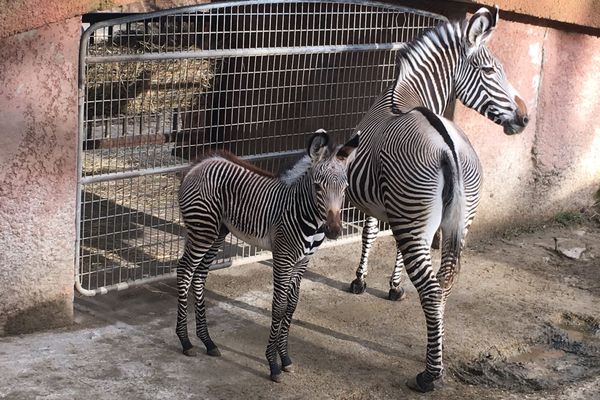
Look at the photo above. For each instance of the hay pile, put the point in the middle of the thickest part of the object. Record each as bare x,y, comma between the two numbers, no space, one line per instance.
149,87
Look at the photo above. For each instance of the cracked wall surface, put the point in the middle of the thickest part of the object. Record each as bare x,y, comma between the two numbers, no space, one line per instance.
38,131
554,165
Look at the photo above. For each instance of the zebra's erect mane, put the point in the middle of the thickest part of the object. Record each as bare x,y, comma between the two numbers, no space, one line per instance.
295,172
435,34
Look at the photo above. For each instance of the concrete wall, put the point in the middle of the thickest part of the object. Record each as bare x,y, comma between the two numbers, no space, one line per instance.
554,164
38,131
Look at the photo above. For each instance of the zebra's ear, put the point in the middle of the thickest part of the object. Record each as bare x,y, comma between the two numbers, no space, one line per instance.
317,145
347,151
480,27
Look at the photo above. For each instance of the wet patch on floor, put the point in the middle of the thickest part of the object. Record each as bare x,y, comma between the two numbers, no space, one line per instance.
567,351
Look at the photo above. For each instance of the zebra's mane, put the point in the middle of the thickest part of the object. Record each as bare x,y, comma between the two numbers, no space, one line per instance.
436,34
229,156
297,170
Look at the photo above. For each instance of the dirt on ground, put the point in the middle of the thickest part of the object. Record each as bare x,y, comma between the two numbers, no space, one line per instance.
522,323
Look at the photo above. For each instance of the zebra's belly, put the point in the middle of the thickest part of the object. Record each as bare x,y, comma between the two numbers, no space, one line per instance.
262,242
371,207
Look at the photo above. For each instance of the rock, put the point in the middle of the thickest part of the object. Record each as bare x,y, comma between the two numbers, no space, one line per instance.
573,253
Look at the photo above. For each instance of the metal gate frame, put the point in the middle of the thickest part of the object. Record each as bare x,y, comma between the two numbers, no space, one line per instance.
207,54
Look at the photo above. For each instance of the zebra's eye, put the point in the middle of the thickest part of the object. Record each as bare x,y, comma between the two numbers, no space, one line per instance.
318,187
488,70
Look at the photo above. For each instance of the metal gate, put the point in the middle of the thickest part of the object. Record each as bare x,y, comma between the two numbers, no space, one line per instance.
256,78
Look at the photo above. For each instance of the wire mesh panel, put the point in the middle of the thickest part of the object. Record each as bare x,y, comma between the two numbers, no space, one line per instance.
255,78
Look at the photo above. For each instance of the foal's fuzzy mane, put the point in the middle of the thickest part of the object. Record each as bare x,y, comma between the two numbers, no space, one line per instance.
229,156
294,171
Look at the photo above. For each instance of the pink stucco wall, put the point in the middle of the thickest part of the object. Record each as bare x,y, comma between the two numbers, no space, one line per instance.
554,164
38,130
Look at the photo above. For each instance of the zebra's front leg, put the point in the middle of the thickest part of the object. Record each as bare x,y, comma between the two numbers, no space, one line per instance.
418,255
369,233
292,301
281,278
396,292
198,284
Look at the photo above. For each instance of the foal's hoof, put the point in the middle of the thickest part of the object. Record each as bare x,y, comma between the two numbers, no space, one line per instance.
288,368
214,352
420,384
396,294
275,372
358,286
191,352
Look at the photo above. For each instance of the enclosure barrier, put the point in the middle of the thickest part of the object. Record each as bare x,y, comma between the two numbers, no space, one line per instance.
257,78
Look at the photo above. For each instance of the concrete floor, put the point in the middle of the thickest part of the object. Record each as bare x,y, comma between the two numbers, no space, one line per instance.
512,301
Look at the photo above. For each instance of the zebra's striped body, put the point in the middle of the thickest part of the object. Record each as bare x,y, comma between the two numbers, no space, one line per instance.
289,214
418,171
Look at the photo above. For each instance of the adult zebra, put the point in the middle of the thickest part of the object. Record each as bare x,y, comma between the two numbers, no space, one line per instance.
289,214
418,171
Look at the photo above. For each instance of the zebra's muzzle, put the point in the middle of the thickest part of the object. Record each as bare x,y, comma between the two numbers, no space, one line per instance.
520,121
333,226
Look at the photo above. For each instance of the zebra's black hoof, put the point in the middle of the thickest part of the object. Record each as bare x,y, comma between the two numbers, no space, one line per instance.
275,373
214,352
396,294
358,286
190,352
420,384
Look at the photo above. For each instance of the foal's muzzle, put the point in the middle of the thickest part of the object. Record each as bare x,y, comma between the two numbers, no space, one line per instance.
333,226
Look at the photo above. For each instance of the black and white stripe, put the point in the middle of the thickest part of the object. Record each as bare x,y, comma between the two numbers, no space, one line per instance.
290,214
418,171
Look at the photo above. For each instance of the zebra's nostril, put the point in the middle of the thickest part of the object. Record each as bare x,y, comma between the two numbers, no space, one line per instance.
525,120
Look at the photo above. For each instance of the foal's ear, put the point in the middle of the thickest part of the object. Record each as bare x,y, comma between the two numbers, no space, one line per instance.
347,151
317,145
480,27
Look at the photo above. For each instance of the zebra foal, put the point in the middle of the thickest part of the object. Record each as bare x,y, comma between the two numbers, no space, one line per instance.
290,215
418,171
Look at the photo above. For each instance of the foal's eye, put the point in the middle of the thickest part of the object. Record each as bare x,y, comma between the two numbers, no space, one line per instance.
318,187
488,70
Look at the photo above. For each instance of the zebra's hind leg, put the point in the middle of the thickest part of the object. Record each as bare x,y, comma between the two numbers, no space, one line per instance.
196,245
292,301
369,233
396,292
198,284
417,254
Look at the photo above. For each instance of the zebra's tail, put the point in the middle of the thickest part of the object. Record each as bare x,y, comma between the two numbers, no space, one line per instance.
454,204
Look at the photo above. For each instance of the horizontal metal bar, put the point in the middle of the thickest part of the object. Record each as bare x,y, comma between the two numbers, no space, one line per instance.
233,263
261,51
176,168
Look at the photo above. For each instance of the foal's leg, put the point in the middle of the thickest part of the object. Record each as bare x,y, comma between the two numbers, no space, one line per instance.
292,301
196,246
198,283
282,271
